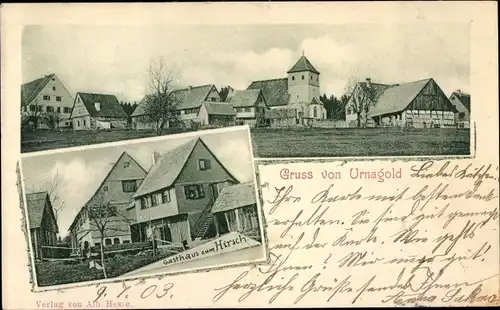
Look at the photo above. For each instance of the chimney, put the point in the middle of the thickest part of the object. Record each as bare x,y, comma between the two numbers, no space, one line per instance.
155,156
190,87
459,91
368,82
97,106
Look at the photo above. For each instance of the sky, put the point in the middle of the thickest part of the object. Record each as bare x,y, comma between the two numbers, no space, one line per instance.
114,59
82,171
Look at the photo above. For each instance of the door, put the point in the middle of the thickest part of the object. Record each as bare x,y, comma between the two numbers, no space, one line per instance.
215,190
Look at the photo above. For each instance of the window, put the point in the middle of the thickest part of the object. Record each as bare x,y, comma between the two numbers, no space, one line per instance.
154,200
105,188
317,78
126,241
191,111
302,77
194,191
311,77
58,98
165,196
203,164
84,122
213,99
98,244
144,203
67,110
129,186
32,108
50,109
293,78
107,241
46,98
126,164
461,116
58,109
315,112
53,88
78,123
116,241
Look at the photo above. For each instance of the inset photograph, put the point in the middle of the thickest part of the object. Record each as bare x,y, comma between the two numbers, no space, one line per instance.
161,205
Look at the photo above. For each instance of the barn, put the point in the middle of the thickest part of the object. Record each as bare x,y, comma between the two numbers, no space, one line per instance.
419,104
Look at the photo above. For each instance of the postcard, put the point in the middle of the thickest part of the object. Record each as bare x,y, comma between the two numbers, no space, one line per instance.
275,155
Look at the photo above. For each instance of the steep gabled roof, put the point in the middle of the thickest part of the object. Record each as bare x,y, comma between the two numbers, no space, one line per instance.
36,203
166,170
275,91
31,89
192,97
235,196
378,87
218,108
397,98
102,182
303,64
464,99
139,109
316,100
245,98
109,105
186,98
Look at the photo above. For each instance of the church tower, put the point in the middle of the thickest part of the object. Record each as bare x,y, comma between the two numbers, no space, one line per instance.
303,82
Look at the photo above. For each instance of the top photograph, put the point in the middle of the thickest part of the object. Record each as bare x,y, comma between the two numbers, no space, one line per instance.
305,91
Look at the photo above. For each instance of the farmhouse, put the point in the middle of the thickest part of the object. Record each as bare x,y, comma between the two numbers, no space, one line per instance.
419,104
116,191
42,222
175,200
187,103
277,118
236,210
250,107
366,94
218,114
461,101
46,102
299,92
97,111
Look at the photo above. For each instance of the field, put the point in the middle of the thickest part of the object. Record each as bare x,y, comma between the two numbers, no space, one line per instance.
318,142
310,142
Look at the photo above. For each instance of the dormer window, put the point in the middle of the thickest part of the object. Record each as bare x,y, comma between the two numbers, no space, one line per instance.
97,106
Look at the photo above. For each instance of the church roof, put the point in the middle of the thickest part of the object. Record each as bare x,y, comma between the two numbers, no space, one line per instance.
275,91
303,64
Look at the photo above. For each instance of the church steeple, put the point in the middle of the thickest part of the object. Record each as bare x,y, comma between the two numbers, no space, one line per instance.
303,81
303,65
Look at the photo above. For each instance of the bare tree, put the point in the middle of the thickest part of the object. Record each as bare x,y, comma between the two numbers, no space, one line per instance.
31,115
102,214
51,119
53,186
361,100
159,106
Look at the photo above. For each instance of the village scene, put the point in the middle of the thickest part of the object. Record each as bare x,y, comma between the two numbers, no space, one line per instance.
290,114
184,199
